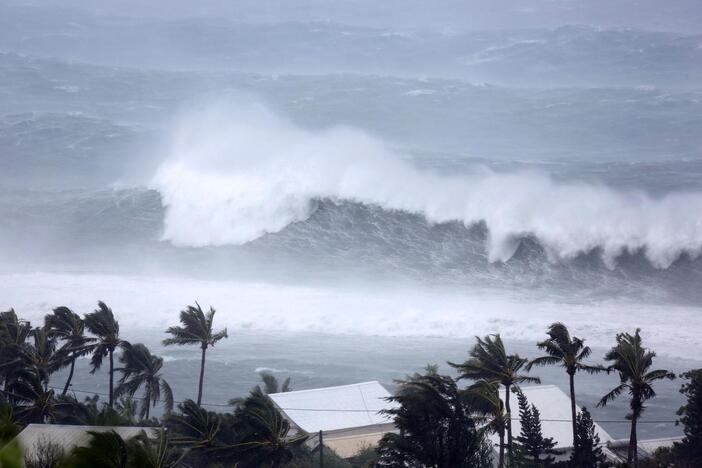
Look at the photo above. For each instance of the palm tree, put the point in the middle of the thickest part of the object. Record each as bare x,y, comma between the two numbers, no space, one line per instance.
268,386
41,356
103,325
142,369
67,326
568,352
109,450
436,426
264,435
196,329
34,403
489,361
483,398
147,452
633,362
13,335
12,328
105,449
271,384
205,436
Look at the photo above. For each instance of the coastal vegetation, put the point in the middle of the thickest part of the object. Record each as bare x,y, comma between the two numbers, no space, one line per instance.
440,422
196,329
633,363
490,361
568,352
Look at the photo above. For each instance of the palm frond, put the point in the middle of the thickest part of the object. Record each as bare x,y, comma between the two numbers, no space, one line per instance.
196,328
543,361
612,394
658,374
167,395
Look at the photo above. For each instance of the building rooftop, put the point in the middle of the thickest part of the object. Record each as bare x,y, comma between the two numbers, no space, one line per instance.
336,408
34,436
554,408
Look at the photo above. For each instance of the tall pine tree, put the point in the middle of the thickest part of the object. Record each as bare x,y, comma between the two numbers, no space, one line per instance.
587,452
690,449
533,449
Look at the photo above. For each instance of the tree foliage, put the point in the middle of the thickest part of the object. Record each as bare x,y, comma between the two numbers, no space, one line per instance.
264,436
690,448
587,452
105,450
14,333
103,325
533,449
67,326
205,436
196,328
633,363
487,407
568,352
142,370
436,426
490,361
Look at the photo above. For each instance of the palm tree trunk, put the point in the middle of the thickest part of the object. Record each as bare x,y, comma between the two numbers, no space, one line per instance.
572,402
111,377
633,454
70,376
509,424
501,462
202,377
148,407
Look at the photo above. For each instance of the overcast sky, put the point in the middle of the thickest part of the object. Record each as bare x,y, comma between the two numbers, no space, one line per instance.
669,15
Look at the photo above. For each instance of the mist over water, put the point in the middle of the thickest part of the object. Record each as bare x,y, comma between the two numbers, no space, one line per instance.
351,177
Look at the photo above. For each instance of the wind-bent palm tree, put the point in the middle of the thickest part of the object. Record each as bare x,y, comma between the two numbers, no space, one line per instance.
12,328
13,335
268,386
205,436
35,403
489,361
142,369
41,356
265,437
272,385
436,426
483,398
67,326
105,449
568,352
196,329
633,362
146,451
103,325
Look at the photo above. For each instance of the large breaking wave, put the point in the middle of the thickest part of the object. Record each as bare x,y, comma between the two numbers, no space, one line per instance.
237,173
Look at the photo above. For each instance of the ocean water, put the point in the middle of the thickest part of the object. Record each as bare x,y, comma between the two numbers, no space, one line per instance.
314,360
354,219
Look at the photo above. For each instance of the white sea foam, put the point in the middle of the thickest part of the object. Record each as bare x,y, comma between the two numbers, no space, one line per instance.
420,92
236,173
260,307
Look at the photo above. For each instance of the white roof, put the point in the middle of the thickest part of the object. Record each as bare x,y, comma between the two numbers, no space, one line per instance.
67,437
554,408
335,408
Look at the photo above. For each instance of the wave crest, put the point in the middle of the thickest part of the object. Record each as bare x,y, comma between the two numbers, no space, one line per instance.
236,173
